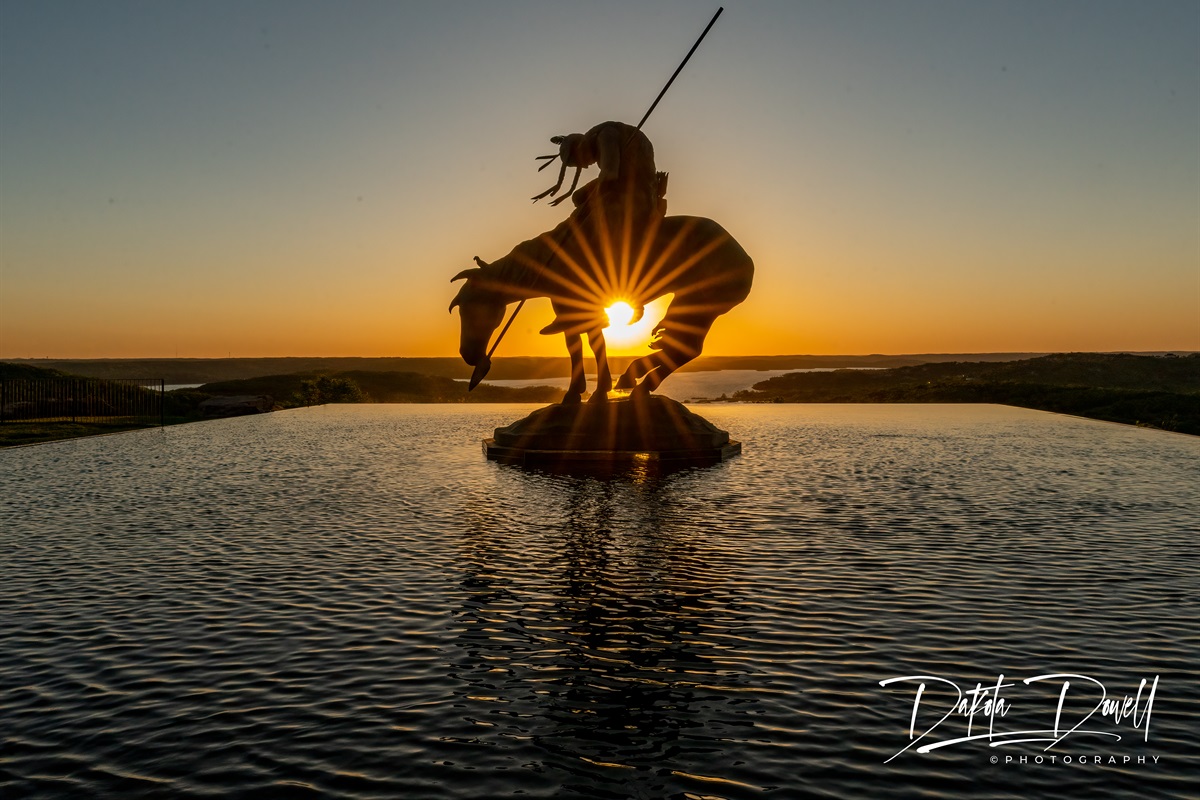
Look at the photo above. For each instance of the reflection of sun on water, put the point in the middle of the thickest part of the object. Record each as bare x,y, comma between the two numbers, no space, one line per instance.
623,338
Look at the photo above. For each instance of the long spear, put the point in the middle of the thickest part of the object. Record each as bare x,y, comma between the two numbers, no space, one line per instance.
477,377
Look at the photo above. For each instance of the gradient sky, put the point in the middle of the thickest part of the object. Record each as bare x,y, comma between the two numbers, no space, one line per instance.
302,178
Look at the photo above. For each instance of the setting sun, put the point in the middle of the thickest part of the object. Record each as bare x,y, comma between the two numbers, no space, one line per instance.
624,336
620,314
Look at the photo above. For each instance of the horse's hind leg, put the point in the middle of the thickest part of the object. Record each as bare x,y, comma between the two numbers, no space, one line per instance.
681,342
603,376
669,362
638,369
578,379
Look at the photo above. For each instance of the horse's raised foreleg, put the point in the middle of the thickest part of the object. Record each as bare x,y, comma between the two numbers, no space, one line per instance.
603,376
578,379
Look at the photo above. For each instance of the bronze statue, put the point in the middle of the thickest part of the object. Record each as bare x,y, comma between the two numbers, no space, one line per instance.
618,244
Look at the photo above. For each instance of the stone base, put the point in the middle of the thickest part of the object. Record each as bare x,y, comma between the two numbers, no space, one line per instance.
634,430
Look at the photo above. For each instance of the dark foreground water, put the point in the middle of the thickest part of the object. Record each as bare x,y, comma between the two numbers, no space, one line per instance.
351,602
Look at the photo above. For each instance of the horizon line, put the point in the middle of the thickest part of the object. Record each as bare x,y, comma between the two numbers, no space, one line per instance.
1168,351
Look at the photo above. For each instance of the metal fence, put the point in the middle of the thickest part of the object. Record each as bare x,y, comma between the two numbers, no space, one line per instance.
82,400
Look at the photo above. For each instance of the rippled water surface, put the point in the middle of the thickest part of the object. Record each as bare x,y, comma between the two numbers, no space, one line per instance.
352,602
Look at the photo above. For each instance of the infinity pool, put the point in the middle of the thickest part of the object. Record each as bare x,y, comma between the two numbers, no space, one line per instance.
349,601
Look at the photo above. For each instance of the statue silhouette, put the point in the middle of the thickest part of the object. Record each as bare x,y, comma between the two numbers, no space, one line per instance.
617,244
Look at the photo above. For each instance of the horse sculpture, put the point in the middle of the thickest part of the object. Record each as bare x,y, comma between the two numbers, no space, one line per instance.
693,258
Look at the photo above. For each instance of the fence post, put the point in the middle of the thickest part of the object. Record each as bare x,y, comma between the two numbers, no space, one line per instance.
162,402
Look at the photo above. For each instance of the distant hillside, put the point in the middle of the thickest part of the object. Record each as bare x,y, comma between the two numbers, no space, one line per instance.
209,370
1158,391
15,371
379,387
228,398
386,387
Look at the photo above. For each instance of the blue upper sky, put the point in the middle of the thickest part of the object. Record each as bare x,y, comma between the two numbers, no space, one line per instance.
909,175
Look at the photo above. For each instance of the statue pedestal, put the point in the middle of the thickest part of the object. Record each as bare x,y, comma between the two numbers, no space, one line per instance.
614,433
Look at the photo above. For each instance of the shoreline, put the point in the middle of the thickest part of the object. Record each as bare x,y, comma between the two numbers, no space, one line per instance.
210,370
1154,392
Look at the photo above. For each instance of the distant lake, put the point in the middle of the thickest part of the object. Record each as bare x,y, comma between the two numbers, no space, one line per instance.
350,602
681,386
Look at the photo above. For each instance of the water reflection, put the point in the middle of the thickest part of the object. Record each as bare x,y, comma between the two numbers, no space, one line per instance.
643,469
600,636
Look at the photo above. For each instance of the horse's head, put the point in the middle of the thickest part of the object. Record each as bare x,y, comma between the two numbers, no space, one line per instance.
480,310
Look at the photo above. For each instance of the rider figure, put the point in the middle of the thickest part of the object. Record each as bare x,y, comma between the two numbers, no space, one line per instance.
625,200
627,174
